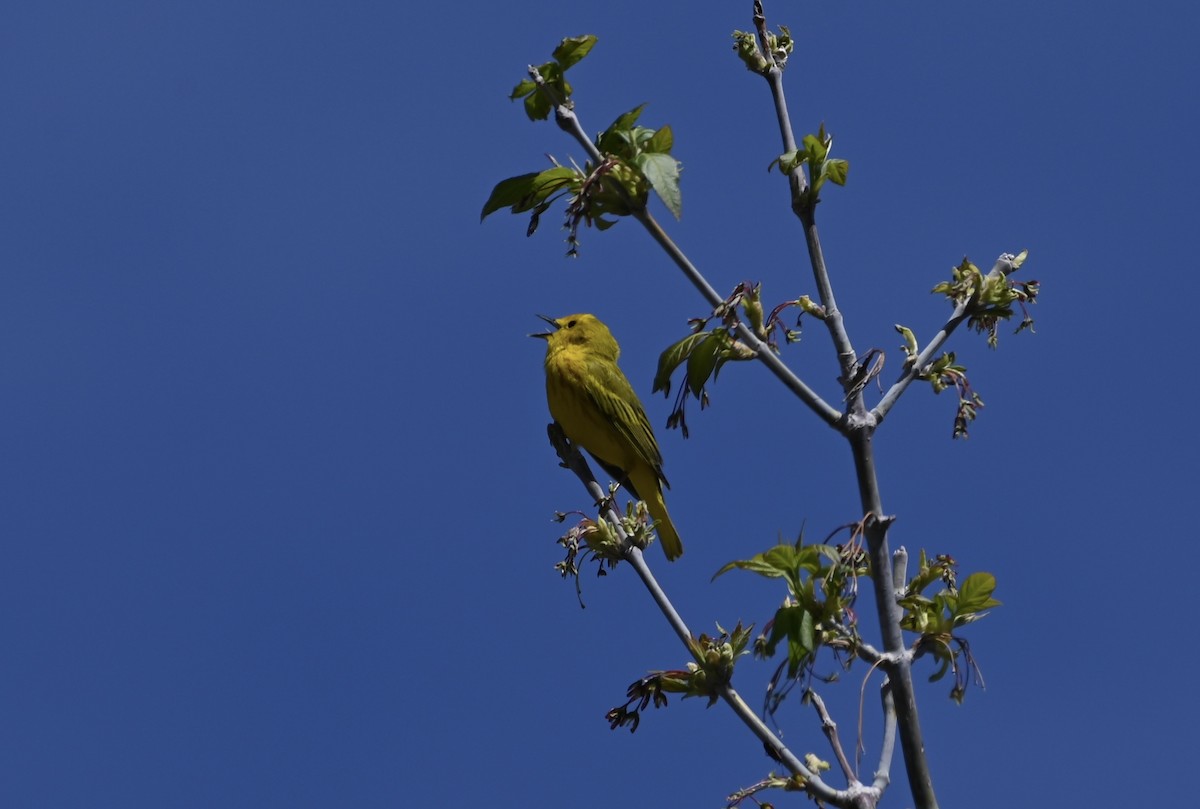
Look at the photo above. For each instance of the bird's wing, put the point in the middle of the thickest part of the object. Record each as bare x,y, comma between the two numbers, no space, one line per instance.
613,396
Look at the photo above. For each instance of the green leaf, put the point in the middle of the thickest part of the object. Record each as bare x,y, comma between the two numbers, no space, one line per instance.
788,161
795,623
909,347
661,141
836,171
527,191
975,594
508,192
537,106
523,88
613,138
547,183
784,558
572,49
703,361
804,635
622,143
662,171
815,149
773,564
941,672
809,557
785,624
626,120
639,136
671,359
537,102
754,565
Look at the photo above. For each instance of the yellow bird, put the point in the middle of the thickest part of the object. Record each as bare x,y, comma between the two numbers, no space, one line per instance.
596,407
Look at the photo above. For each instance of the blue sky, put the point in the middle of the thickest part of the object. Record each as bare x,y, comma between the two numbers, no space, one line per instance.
276,489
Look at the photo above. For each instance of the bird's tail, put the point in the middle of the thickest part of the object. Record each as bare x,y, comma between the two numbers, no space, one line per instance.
667,535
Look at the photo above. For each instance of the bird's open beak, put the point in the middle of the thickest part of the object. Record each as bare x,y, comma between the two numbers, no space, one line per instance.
545,334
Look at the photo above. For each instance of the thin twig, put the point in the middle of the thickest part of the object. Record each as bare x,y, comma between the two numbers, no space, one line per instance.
859,748
569,122
798,185
883,776
833,320
816,787
830,729
918,366
763,352
575,461
900,569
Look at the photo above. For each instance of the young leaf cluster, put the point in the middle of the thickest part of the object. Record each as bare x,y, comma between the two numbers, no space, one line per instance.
600,541
937,617
794,783
704,351
635,160
813,153
818,610
985,300
649,150
780,47
534,192
711,669
538,102
945,373
632,160
990,298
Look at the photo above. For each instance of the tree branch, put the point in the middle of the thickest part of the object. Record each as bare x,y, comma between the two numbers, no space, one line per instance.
573,459
568,121
798,184
860,433
763,352
853,796
897,660
900,709
830,729
883,775
914,369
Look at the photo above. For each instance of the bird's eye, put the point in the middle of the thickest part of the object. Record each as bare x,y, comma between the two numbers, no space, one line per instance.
571,325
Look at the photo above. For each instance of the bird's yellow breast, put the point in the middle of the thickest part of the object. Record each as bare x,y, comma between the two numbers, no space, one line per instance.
573,396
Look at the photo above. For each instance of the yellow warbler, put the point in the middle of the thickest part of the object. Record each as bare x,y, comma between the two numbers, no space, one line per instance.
596,407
